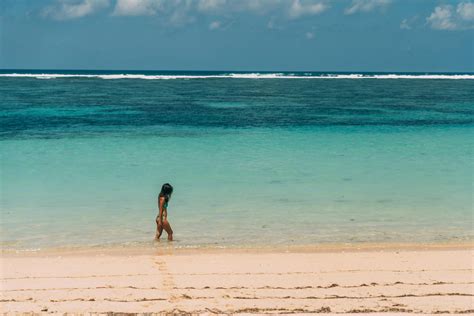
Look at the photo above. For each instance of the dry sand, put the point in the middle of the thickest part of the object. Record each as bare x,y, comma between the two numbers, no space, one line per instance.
409,280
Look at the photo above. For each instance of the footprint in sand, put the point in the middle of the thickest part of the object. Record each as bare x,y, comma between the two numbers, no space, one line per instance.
167,280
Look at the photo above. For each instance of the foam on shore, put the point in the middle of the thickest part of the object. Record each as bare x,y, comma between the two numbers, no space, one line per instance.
244,76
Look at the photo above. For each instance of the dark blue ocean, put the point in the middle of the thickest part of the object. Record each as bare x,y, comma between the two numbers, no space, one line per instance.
256,159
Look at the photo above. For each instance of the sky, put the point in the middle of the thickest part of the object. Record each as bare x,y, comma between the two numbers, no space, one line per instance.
239,35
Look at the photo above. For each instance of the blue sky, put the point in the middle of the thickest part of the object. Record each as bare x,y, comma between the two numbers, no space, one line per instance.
293,35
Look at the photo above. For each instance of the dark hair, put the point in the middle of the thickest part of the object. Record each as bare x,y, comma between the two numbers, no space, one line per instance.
166,191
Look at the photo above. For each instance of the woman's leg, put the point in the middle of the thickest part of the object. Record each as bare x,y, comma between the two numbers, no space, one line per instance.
159,229
167,227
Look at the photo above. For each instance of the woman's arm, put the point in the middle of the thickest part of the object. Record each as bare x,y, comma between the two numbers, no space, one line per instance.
161,201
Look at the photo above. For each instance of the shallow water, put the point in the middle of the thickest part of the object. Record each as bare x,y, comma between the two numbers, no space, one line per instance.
253,161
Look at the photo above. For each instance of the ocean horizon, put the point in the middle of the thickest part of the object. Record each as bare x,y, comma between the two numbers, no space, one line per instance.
210,74
256,158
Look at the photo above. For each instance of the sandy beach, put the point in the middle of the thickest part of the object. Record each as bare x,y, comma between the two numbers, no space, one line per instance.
412,280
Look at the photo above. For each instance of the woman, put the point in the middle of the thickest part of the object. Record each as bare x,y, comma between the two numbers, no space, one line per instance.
162,218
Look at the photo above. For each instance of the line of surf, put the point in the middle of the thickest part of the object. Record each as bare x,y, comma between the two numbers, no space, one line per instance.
243,76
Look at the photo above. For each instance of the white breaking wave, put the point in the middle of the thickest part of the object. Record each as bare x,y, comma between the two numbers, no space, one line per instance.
244,76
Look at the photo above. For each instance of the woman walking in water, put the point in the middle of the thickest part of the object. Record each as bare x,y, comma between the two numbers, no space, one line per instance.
162,218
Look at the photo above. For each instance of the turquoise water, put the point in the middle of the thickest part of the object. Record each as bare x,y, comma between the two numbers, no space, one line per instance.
254,162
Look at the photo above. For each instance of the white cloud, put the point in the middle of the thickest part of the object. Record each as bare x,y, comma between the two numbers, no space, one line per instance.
404,25
210,5
309,35
274,24
138,7
444,17
366,6
68,9
407,24
183,12
214,25
258,6
178,7
466,10
271,24
298,9
173,12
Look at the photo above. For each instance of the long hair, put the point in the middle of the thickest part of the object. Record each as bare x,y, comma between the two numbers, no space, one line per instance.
166,191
